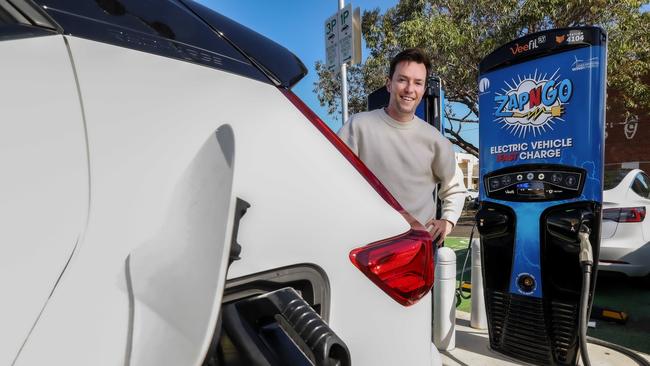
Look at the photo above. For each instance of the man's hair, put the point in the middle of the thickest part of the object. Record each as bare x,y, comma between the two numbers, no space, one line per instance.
410,54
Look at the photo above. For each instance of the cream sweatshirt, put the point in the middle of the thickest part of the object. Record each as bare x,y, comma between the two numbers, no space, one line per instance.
409,158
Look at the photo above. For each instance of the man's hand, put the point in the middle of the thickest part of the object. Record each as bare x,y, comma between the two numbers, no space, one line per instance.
439,229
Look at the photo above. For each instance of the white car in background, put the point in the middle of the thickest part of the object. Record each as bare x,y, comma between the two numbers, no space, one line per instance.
472,194
135,135
625,236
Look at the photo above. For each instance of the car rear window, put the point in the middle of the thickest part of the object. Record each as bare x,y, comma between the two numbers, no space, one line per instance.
612,177
641,185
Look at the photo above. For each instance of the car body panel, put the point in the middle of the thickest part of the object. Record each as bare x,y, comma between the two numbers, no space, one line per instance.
625,246
147,118
44,185
608,227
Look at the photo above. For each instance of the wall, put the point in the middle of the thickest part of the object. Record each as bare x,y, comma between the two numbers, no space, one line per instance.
627,134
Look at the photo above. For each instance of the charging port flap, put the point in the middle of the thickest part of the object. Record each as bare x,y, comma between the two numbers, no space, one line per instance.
278,328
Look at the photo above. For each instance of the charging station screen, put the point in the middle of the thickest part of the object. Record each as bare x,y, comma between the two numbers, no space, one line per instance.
531,189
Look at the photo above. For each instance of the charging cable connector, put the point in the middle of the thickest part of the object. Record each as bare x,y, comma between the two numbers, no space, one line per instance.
586,253
586,262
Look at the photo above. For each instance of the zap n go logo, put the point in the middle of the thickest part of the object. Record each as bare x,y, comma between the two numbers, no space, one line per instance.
533,103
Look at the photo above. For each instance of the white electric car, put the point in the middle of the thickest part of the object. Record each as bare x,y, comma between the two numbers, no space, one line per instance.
135,135
625,237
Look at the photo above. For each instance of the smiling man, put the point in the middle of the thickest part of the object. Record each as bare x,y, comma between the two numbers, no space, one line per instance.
408,155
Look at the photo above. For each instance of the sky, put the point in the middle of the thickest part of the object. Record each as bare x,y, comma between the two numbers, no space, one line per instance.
298,25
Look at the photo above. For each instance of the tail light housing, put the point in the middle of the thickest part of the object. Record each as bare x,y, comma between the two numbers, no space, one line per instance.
402,266
625,214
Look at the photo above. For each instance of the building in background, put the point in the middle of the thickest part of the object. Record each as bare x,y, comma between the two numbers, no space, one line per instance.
627,134
468,163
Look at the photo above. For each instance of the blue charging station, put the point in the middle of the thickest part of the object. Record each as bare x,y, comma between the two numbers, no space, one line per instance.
542,104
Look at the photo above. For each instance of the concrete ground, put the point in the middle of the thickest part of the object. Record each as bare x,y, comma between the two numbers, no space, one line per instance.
472,349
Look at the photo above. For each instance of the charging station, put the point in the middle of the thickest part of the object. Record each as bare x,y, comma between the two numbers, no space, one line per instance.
542,103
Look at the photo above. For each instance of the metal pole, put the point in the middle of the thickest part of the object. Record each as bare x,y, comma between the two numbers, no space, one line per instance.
344,79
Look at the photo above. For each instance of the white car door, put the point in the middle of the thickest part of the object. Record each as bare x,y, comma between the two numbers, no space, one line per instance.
44,186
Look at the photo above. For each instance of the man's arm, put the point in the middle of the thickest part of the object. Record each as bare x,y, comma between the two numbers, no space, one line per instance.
452,195
452,191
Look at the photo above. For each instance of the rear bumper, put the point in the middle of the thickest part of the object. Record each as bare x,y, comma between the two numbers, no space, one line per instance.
630,259
632,270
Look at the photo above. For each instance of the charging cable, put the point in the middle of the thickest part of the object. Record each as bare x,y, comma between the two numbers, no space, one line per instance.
587,262
459,290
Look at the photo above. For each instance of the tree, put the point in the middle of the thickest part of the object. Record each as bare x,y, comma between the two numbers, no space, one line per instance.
459,33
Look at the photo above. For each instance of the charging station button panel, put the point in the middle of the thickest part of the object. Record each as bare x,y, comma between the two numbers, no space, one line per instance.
528,183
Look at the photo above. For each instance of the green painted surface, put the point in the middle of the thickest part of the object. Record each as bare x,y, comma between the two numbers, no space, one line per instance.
459,245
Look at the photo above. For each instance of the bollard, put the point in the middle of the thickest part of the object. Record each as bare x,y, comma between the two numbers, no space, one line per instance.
478,317
444,300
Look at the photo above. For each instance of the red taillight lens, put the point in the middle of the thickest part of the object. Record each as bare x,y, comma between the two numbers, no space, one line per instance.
632,214
625,214
402,266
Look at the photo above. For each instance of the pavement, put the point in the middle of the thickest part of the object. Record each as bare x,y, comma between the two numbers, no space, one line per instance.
463,230
472,348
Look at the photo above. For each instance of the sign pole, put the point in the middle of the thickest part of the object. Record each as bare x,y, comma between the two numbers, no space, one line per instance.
344,81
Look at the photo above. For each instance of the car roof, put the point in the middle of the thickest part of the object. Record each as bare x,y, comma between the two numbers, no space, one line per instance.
179,29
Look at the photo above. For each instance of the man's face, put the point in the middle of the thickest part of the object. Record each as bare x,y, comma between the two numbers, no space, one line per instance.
406,89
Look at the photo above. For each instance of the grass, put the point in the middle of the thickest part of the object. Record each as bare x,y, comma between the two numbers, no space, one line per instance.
612,292
459,245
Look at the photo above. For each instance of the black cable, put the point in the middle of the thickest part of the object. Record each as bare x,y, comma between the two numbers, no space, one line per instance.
583,327
586,261
618,348
584,312
459,289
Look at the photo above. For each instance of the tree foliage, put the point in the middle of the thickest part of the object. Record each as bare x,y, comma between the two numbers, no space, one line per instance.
457,34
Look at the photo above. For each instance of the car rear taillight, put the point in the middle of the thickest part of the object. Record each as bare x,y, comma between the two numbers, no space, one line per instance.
625,214
401,266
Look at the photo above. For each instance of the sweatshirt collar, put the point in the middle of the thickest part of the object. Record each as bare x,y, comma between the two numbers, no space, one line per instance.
396,124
